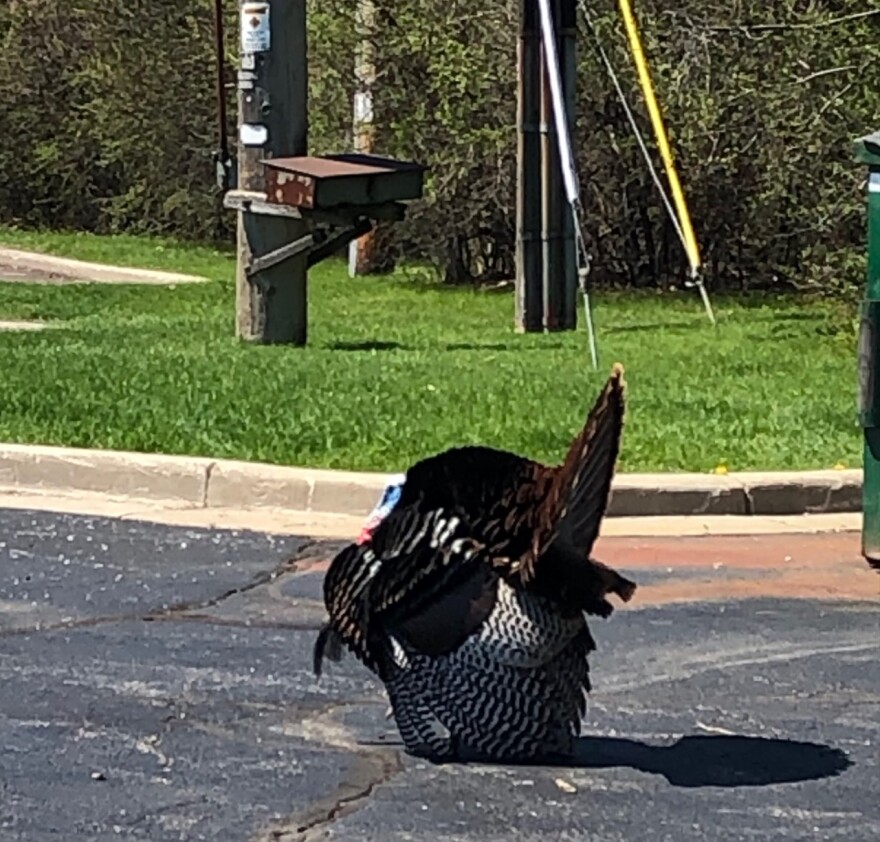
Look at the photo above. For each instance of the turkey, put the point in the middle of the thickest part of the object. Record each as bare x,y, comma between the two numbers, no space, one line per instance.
467,591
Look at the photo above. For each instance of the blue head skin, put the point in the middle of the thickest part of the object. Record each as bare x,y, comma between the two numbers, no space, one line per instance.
390,498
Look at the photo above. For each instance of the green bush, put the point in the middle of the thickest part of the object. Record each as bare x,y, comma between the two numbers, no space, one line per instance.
111,107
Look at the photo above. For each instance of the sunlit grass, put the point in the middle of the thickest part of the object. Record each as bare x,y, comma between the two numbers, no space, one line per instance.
397,368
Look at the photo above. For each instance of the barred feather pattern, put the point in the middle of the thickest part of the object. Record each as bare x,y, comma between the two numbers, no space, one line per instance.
348,576
515,690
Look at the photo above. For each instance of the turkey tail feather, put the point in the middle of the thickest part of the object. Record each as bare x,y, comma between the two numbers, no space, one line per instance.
572,511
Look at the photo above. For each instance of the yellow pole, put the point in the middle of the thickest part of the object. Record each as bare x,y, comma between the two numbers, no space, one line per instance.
635,44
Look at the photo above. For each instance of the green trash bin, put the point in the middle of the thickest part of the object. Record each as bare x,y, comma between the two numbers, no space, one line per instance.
867,151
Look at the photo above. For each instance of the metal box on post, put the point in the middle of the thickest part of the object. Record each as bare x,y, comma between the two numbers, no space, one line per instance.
347,180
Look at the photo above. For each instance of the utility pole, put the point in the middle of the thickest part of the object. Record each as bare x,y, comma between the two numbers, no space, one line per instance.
546,281
272,122
553,206
529,259
567,26
362,252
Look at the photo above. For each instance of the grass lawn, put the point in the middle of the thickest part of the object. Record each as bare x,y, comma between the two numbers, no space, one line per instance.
398,368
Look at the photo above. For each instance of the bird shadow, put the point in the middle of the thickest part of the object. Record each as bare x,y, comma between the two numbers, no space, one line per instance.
700,761
725,761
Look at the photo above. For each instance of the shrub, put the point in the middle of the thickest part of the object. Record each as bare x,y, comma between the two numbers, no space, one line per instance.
112,108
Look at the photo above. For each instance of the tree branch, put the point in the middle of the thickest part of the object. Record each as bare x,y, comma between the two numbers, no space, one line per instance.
785,27
827,72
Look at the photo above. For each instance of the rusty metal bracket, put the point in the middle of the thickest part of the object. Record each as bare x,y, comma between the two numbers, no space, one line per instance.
318,245
333,244
279,255
330,230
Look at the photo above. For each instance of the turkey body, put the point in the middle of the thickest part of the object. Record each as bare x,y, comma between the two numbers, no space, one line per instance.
469,599
514,690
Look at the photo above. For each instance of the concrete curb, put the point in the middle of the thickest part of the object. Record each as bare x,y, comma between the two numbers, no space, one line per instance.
747,493
78,270
196,482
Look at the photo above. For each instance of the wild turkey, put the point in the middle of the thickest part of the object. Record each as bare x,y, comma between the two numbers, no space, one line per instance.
467,591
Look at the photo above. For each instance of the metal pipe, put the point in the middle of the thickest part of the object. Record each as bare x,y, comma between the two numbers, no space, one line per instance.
567,17
529,299
552,203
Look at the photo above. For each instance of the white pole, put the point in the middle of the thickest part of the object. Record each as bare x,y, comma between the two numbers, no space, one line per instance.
569,169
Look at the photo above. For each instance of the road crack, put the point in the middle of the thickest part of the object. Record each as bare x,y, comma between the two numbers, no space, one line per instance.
369,771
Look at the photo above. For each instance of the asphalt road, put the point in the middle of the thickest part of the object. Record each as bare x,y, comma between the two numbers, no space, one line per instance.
155,684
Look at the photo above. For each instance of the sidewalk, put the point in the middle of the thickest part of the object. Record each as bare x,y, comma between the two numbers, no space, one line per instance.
34,267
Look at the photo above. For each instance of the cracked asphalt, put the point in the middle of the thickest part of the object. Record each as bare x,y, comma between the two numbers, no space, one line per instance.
155,683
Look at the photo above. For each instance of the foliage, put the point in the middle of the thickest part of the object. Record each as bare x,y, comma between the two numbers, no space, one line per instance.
111,105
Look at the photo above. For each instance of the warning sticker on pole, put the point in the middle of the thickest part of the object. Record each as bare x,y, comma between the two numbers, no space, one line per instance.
256,31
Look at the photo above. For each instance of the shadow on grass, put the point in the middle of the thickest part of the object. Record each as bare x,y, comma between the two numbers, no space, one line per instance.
652,326
501,346
698,761
382,345
367,345
698,322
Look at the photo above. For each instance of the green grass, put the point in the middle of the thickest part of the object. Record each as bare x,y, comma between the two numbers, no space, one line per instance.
397,368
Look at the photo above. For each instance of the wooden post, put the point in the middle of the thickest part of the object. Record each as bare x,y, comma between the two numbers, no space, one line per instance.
529,299
362,252
273,122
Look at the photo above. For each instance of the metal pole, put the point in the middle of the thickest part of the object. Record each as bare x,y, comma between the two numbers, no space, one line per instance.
868,152
567,18
552,207
362,252
271,305
529,300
